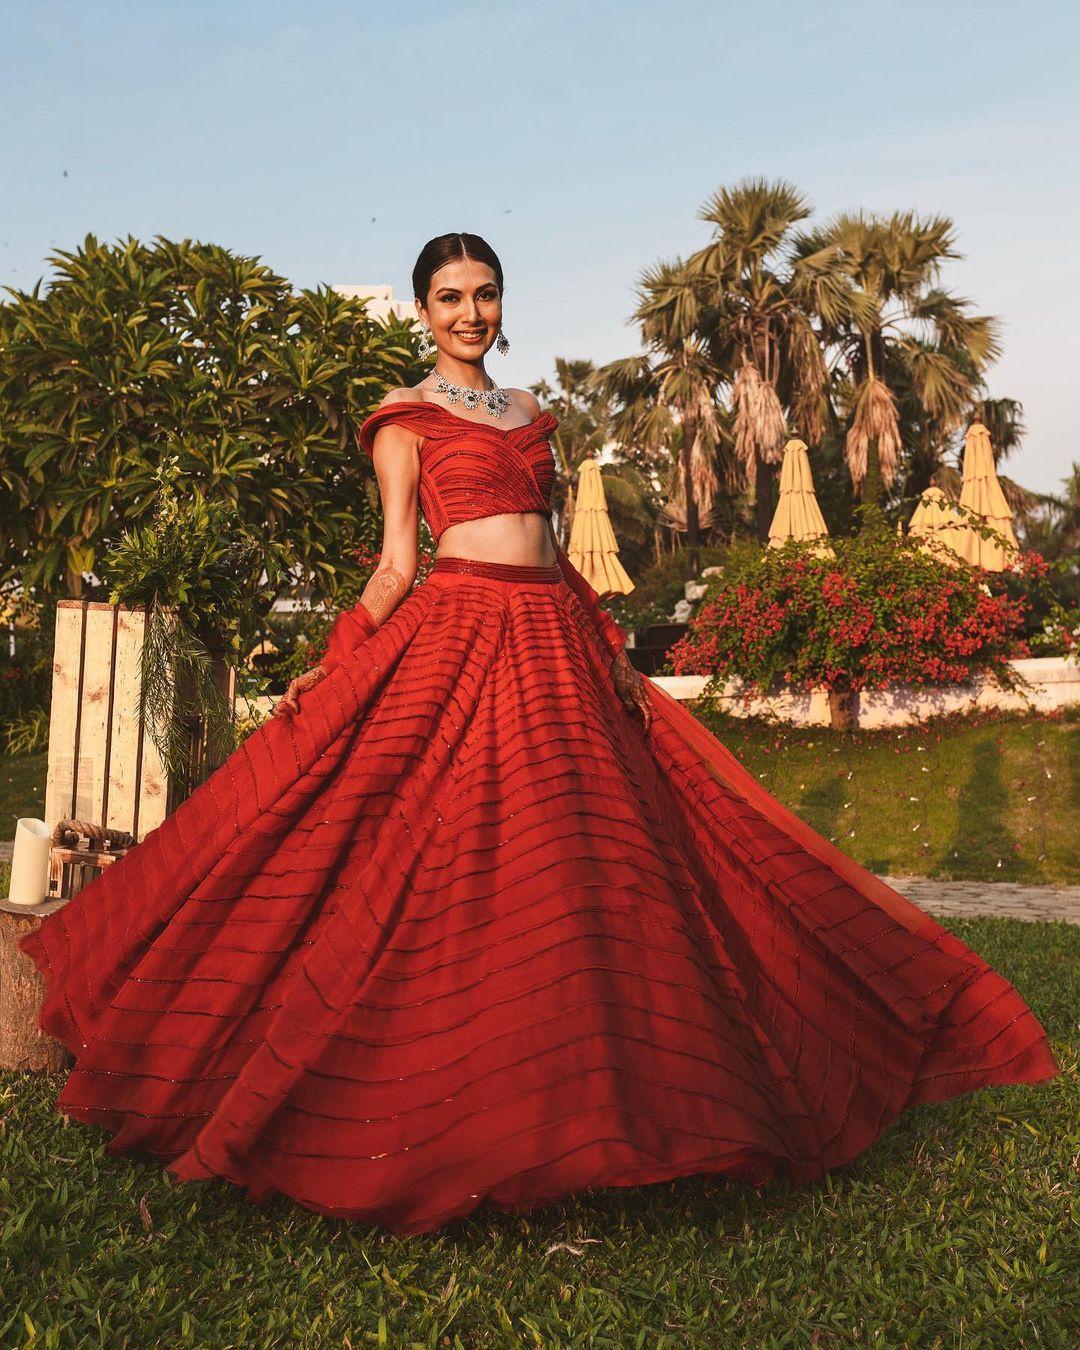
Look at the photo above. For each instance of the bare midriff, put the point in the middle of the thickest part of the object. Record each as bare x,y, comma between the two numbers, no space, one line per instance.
518,537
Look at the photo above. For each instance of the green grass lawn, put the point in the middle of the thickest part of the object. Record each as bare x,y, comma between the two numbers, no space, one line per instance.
961,1226
22,790
990,798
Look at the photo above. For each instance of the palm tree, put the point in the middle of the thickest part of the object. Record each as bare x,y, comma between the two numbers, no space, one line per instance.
905,337
668,396
585,420
760,299
736,318
1060,537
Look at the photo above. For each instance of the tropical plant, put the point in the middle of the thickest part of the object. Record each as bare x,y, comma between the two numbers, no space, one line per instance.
735,321
880,611
203,579
758,300
664,402
137,350
584,431
904,338
27,732
842,333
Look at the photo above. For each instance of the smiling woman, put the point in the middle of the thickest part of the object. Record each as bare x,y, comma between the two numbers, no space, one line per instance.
487,920
461,310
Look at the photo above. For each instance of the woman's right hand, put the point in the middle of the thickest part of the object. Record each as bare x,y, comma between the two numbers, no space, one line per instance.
630,686
287,704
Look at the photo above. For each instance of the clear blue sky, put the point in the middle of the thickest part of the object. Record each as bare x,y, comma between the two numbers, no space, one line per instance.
333,139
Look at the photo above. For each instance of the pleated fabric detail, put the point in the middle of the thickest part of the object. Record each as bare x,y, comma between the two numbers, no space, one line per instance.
469,470
461,933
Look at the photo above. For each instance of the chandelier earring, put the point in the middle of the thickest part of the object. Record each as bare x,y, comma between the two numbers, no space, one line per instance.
427,347
502,343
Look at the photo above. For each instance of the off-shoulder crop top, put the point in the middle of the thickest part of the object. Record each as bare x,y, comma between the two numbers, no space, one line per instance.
469,469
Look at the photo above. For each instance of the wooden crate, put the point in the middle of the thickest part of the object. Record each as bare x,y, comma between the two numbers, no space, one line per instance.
103,764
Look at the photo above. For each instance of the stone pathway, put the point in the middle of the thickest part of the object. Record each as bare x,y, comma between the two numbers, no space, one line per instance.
954,899
1006,899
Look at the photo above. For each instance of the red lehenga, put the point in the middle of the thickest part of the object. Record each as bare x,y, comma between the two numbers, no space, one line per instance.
461,933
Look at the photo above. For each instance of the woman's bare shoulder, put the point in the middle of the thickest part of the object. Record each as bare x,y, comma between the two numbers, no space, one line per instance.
406,394
527,402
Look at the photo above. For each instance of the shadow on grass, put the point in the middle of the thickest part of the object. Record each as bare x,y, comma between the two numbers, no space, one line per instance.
822,805
982,844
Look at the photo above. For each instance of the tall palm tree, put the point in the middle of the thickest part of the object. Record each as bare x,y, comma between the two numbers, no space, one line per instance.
585,419
737,318
905,336
667,397
759,299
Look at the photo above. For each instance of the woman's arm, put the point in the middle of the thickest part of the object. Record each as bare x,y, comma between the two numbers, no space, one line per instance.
614,637
396,457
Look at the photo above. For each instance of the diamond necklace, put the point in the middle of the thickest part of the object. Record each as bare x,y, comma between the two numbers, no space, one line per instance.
495,400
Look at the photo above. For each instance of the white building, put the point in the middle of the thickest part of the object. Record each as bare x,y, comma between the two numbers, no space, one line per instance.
381,302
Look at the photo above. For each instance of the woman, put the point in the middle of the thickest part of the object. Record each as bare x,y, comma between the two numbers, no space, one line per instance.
480,917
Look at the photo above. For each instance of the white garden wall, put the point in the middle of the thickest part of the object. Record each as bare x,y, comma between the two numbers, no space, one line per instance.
1054,683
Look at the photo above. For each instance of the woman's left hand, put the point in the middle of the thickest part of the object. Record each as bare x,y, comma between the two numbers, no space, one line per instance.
630,686
287,705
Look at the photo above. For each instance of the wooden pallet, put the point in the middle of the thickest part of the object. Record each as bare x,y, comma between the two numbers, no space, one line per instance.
103,764
106,789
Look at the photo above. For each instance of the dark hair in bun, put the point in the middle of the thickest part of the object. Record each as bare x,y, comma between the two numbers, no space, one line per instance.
447,248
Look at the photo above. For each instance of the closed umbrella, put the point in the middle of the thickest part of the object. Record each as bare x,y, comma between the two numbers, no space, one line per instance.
797,515
936,518
981,493
592,547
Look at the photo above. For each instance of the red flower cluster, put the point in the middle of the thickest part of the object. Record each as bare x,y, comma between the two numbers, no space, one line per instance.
837,589
880,612
1032,564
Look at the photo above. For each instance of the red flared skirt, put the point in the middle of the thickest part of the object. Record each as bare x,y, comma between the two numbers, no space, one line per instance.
460,933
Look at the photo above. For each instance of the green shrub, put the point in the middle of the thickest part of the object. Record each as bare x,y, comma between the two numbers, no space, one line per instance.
871,610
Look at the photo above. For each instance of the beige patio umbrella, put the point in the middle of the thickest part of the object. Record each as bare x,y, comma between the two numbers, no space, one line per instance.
797,515
592,548
982,494
936,518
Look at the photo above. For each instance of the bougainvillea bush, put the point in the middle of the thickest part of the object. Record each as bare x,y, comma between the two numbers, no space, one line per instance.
878,612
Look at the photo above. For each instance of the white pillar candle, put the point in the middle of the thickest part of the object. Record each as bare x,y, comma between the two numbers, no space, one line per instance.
30,862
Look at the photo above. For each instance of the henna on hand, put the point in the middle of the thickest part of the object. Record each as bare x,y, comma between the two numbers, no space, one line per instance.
287,704
630,687
385,590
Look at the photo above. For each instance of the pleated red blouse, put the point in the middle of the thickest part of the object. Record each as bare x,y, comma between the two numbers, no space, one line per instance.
469,469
